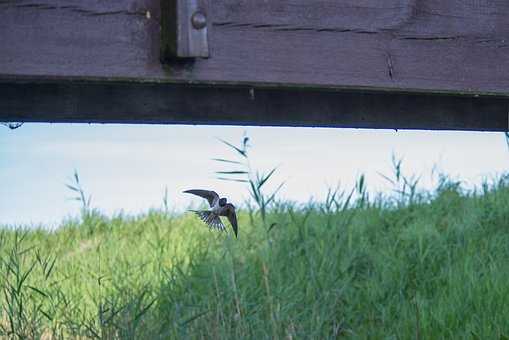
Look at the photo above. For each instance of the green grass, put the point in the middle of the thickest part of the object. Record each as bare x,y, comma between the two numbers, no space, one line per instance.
420,266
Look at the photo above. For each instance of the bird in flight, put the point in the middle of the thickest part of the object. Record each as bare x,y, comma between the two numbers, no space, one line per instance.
218,207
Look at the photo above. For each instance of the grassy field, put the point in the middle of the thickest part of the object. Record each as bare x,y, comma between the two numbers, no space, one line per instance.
415,265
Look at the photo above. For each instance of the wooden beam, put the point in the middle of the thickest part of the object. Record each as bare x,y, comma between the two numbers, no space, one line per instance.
37,100
444,63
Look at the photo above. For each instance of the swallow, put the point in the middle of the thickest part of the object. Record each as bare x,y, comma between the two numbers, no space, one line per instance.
218,207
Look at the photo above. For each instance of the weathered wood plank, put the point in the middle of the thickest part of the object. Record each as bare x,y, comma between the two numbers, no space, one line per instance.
39,100
311,62
422,45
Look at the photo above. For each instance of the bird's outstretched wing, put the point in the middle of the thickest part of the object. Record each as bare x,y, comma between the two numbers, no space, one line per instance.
210,219
229,212
211,196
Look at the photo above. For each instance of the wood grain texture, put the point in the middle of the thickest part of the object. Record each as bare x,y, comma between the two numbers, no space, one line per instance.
412,48
421,45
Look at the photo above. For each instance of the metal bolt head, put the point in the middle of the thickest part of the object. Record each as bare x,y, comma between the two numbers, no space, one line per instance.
199,20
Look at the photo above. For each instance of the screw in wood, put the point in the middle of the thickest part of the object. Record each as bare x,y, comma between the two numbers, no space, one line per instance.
199,20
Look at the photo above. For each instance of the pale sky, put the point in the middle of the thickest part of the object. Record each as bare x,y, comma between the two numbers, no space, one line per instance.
127,167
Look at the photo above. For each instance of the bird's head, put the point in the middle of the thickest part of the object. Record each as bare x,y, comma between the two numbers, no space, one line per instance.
222,202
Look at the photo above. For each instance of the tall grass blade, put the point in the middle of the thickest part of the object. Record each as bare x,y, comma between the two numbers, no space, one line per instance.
243,153
234,172
226,161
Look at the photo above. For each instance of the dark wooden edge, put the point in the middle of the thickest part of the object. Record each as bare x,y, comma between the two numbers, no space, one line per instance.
101,101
